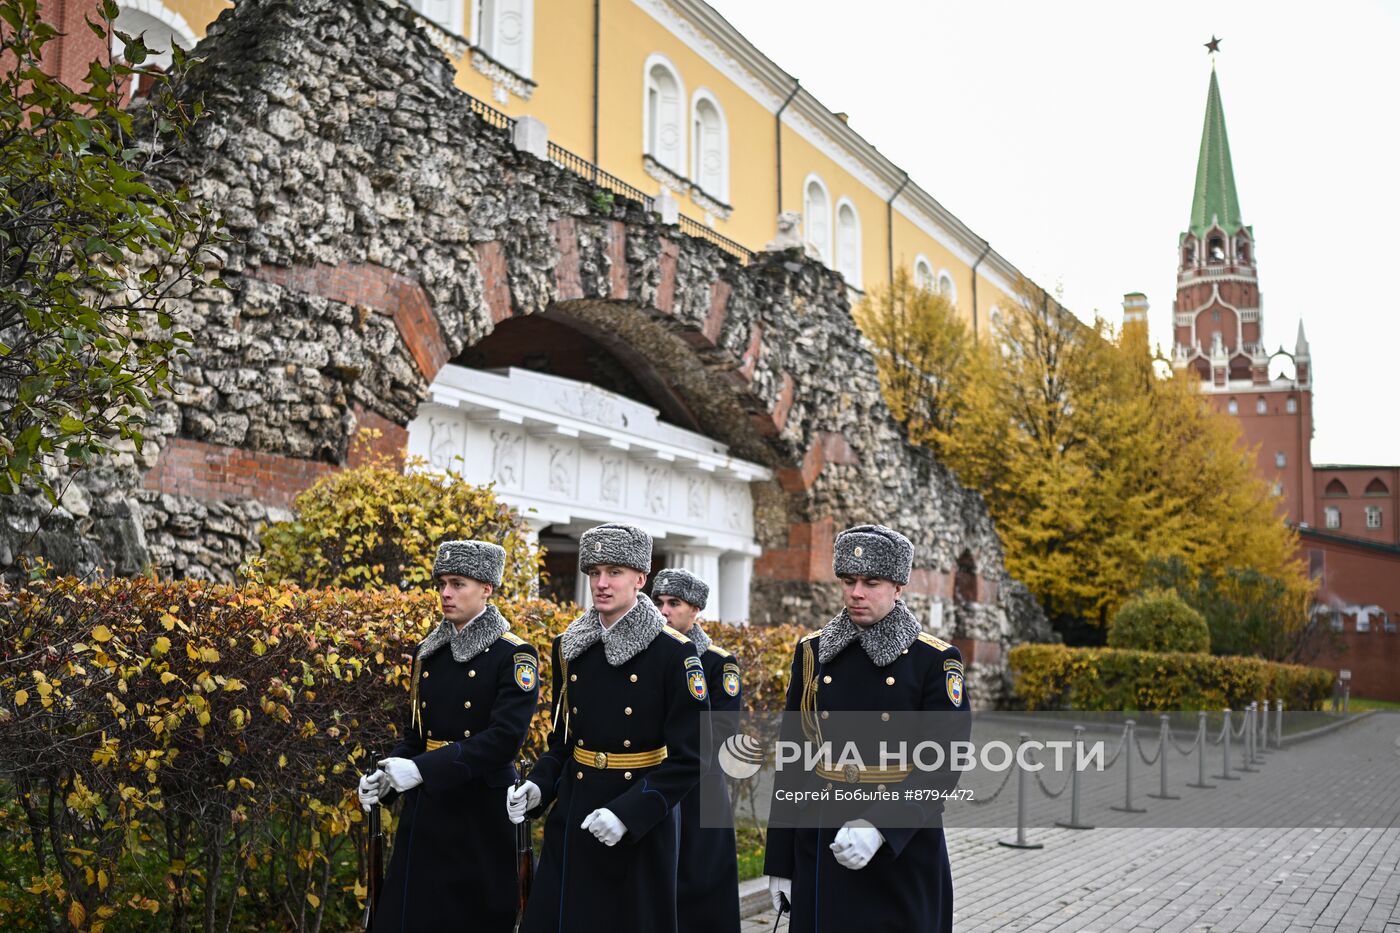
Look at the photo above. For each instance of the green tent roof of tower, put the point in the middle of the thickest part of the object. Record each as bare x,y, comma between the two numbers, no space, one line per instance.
1215,199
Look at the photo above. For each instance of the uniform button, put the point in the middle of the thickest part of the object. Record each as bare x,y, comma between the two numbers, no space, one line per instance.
573,677
425,675
884,717
905,651
430,733
626,743
880,787
580,743
574,711
828,785
425,704
467,734
467,705
826,679
627,774
580,775
633,678
628,711
471,673
825,714
889,681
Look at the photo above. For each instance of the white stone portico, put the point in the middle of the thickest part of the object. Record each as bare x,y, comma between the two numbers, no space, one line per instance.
568,455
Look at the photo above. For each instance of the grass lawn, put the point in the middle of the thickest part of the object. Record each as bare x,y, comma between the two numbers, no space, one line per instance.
1356,703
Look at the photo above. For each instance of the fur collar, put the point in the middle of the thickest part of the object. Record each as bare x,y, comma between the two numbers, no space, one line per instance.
697,635
475,637
884,641
626,639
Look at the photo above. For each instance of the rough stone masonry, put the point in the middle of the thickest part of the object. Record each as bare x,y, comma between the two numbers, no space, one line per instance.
381,227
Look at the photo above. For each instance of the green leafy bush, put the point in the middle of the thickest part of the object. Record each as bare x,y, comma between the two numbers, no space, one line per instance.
377,526
1158,620
1057,677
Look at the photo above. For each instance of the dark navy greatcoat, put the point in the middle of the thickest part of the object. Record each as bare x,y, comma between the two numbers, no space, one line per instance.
708,900
654,699
908,884
454,852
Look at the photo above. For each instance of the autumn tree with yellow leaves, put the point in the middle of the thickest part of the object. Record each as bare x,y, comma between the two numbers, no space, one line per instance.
1093,467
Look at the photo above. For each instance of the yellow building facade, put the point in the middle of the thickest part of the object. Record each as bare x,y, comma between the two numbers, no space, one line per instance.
668,97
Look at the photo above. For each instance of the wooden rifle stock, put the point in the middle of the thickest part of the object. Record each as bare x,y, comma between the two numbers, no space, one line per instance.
374,861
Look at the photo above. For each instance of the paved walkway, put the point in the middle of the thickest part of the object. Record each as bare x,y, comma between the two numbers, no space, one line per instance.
1192,880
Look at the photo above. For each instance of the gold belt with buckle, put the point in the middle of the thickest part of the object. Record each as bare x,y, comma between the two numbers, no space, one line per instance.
851,774
434,744
620,760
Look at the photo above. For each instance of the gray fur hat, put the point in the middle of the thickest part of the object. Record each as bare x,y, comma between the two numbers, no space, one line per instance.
681,584
873,551
615,543
476,560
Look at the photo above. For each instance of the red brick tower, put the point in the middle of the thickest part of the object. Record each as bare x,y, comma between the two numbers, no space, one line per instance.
1219,327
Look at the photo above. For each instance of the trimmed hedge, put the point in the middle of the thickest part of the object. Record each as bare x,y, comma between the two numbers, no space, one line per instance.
1159,620
1058,677
182,755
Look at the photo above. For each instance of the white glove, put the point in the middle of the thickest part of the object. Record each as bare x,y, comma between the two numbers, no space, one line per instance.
855,844
780,890
371,789
605,826
522,798
402,773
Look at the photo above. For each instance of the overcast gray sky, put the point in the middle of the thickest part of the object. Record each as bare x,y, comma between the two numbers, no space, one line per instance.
1066,133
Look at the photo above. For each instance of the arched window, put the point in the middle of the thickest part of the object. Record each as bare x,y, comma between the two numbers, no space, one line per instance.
1242,250
446,13
505,30
1377,488
946,288
816,217
1215,251
662,121
848,242
710,146
1336,488
923,274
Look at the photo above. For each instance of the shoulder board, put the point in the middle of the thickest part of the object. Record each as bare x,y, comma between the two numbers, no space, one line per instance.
513,638
938,643
809,637
719,651
675,634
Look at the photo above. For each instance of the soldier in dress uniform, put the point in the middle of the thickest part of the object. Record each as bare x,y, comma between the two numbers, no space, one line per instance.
708,900
629,694
473,692
872,657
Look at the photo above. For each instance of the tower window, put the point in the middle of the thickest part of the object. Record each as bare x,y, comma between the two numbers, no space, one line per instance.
1332,516
1242,250
1373,516
1188,255
1216,251
1280,460
1261,407
1233,407
1292,406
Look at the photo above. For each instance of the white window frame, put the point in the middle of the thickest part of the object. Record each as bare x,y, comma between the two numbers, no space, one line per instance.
853,274
720,189
1331,517
822,245
1291,406
946,286
1373,517
928,282
1280,460
654,61
485,23
1261,407
1233,407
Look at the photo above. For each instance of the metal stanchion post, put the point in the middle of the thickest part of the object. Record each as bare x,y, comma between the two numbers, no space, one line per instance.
1225,774
1021,789
1261,740
1278,725
1346,696
1248,765
1201,752
1129,750
1162,759
1074,822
